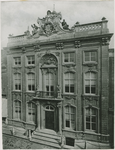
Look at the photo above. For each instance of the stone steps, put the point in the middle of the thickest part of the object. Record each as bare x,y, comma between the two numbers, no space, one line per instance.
46,143
46,137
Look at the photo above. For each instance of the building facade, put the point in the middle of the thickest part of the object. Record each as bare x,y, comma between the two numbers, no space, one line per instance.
58,80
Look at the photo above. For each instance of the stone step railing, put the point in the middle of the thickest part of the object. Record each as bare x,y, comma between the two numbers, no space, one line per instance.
100,26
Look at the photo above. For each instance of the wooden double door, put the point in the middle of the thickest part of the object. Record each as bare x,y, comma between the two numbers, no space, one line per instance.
49,120
50,117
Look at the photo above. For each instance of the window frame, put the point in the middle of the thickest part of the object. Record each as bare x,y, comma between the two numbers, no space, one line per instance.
97,119
31,82
70,114
49,94
31,60
90,62
70,72
33,120
69,62
17,65
14,81
14,108
96,80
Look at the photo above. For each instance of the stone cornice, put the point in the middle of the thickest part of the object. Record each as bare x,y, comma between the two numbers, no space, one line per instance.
76,37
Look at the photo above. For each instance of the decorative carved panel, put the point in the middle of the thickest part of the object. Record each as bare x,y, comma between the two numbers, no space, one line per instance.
92,68
30,69
69,68
91,100
70,99
39,54
37,48
57,54
17,70
49,70
16,96
29,97
49,59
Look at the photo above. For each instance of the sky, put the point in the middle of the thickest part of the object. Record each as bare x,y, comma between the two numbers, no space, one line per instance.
17,16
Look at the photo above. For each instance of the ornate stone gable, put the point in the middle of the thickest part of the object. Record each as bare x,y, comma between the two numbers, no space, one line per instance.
49,25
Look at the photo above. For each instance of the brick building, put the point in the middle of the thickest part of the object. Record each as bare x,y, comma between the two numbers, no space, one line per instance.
58,81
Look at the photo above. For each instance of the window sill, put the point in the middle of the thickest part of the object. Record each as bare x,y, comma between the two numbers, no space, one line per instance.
27,66
91,63
69,94
30,91
19,66
68,64
69,129
94,95
17,91
30,122
91,132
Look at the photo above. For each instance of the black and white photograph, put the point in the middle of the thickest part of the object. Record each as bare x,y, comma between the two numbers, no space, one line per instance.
57,74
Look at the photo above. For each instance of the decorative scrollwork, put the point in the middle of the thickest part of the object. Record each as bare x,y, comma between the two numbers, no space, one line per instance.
49,59
59,46
37,48
23,49
77,44
105,41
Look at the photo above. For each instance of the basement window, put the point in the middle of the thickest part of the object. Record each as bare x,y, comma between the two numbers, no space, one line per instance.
70,141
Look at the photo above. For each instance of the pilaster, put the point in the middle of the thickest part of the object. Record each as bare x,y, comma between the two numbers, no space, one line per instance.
104,87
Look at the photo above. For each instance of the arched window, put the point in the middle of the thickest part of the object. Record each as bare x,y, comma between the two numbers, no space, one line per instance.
69,82
30,82
17,109
90,83
70,113
17,81
91,118
49,108
49,84
31,112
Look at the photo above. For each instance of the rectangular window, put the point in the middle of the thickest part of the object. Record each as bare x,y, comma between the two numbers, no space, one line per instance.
17,110
31,82
30,60
70,117
90,56
69,57
17,81
49,84
69,82
90,83
31,112
17,61
70,141
91,117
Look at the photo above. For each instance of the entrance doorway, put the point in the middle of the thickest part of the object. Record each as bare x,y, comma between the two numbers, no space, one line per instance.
49,117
